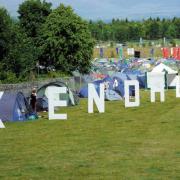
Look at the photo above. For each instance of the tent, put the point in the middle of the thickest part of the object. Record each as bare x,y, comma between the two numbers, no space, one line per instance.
83,93
132,76
14,107
121,77
140,77
170,74
112,95
163,68
42,104
142,81
116,93
42,100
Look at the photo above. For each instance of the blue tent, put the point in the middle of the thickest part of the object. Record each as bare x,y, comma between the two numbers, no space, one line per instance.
142,80
84,90
132,76
14,107
109,80
83,93
136,75
121,77
112,95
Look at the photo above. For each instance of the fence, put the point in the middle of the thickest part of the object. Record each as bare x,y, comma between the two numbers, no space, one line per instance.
27,87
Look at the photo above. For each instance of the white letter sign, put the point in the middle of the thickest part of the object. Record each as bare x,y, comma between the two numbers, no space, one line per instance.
93,97
178,87
1,123
157,84
54,102
127,85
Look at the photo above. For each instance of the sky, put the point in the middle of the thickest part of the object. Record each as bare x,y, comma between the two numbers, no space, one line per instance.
108,9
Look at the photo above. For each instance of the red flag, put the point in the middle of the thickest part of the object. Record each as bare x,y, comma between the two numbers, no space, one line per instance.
175,52
178,54
165,52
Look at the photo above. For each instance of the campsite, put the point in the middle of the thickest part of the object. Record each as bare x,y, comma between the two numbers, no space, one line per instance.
89,90
140,142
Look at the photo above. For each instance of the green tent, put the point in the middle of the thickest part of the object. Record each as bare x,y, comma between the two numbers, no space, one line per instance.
70,97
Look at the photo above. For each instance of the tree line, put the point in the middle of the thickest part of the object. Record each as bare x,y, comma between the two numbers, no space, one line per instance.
41,38
125,30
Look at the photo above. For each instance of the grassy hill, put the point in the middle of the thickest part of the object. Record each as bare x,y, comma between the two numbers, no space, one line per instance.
123,143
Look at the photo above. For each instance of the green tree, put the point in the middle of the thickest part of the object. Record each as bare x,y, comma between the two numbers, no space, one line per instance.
22,56
164,27
5,31
135,31
121,33
153,29
125,30
177,26
66,41
171,32
17,53
32,14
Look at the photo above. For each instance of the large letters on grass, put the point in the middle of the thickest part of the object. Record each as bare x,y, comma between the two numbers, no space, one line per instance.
135,85
1,123
94,97
156,84
178,87
54,102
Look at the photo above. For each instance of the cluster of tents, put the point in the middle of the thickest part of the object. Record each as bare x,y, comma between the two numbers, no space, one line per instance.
14,106
115,92
113,73
133,69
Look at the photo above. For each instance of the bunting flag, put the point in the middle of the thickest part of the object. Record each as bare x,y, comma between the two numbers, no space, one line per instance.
178,54
152,52
101,52
175,52
121,53
165,52
117,50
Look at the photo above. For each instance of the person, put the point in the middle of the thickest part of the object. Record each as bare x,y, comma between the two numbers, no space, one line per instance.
106,85
115,84
33,100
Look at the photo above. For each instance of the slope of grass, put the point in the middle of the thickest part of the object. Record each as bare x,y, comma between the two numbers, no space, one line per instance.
123,143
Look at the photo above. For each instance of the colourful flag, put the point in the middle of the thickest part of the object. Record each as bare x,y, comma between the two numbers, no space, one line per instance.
165,52
121,53
101,52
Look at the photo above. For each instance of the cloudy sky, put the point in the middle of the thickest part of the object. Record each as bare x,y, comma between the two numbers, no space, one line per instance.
108,9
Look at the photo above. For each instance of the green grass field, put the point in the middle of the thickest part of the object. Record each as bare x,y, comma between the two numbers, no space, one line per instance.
133,143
